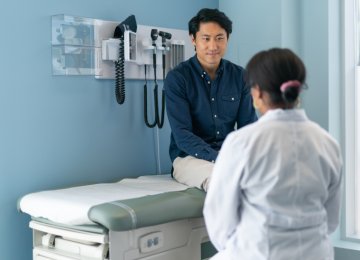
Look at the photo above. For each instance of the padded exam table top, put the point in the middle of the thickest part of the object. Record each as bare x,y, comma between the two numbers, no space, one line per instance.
149,210
128,204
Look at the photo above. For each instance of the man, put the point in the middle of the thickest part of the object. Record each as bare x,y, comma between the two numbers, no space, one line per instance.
206,98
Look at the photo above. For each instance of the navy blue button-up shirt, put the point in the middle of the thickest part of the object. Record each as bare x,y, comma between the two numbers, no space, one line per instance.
202,111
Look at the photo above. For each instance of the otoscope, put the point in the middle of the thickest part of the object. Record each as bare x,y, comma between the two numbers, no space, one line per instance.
154,35
164,36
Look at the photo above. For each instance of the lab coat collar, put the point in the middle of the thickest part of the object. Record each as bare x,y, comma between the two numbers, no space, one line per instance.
285,115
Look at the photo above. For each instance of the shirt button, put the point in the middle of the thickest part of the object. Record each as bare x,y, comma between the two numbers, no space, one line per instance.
213,161
209,82
217,132
232,99
212,99
196,154
215,115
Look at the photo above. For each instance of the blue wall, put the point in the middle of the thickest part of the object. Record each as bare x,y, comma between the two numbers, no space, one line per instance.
299,25
253,28
57,131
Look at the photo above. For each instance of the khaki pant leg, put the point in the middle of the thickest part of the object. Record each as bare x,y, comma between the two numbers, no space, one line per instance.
192,171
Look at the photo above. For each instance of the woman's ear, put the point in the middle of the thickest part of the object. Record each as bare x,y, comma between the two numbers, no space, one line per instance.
256,92
258,99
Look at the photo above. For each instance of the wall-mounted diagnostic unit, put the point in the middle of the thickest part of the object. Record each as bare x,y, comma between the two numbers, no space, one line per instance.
119,50
85,46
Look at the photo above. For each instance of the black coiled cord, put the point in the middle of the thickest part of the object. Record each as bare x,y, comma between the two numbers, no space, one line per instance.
159,121
120,73
145,106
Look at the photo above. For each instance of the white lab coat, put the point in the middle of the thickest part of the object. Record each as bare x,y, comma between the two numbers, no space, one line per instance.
275,191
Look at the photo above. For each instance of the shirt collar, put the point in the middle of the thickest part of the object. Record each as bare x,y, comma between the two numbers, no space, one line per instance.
201,71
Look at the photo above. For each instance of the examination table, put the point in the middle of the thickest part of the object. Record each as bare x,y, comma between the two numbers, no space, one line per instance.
149,218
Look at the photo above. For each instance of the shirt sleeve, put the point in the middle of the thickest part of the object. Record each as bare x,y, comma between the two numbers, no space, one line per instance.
246,114
179,115
332,204
222,207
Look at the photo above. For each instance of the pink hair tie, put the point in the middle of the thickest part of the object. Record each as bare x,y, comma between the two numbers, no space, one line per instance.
290,83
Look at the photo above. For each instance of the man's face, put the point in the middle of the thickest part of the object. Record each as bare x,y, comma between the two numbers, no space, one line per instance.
210,43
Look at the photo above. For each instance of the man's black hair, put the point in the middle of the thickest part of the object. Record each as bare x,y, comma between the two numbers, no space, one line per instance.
210,15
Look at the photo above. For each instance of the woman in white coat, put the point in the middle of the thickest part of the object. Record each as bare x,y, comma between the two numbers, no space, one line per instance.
275,188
